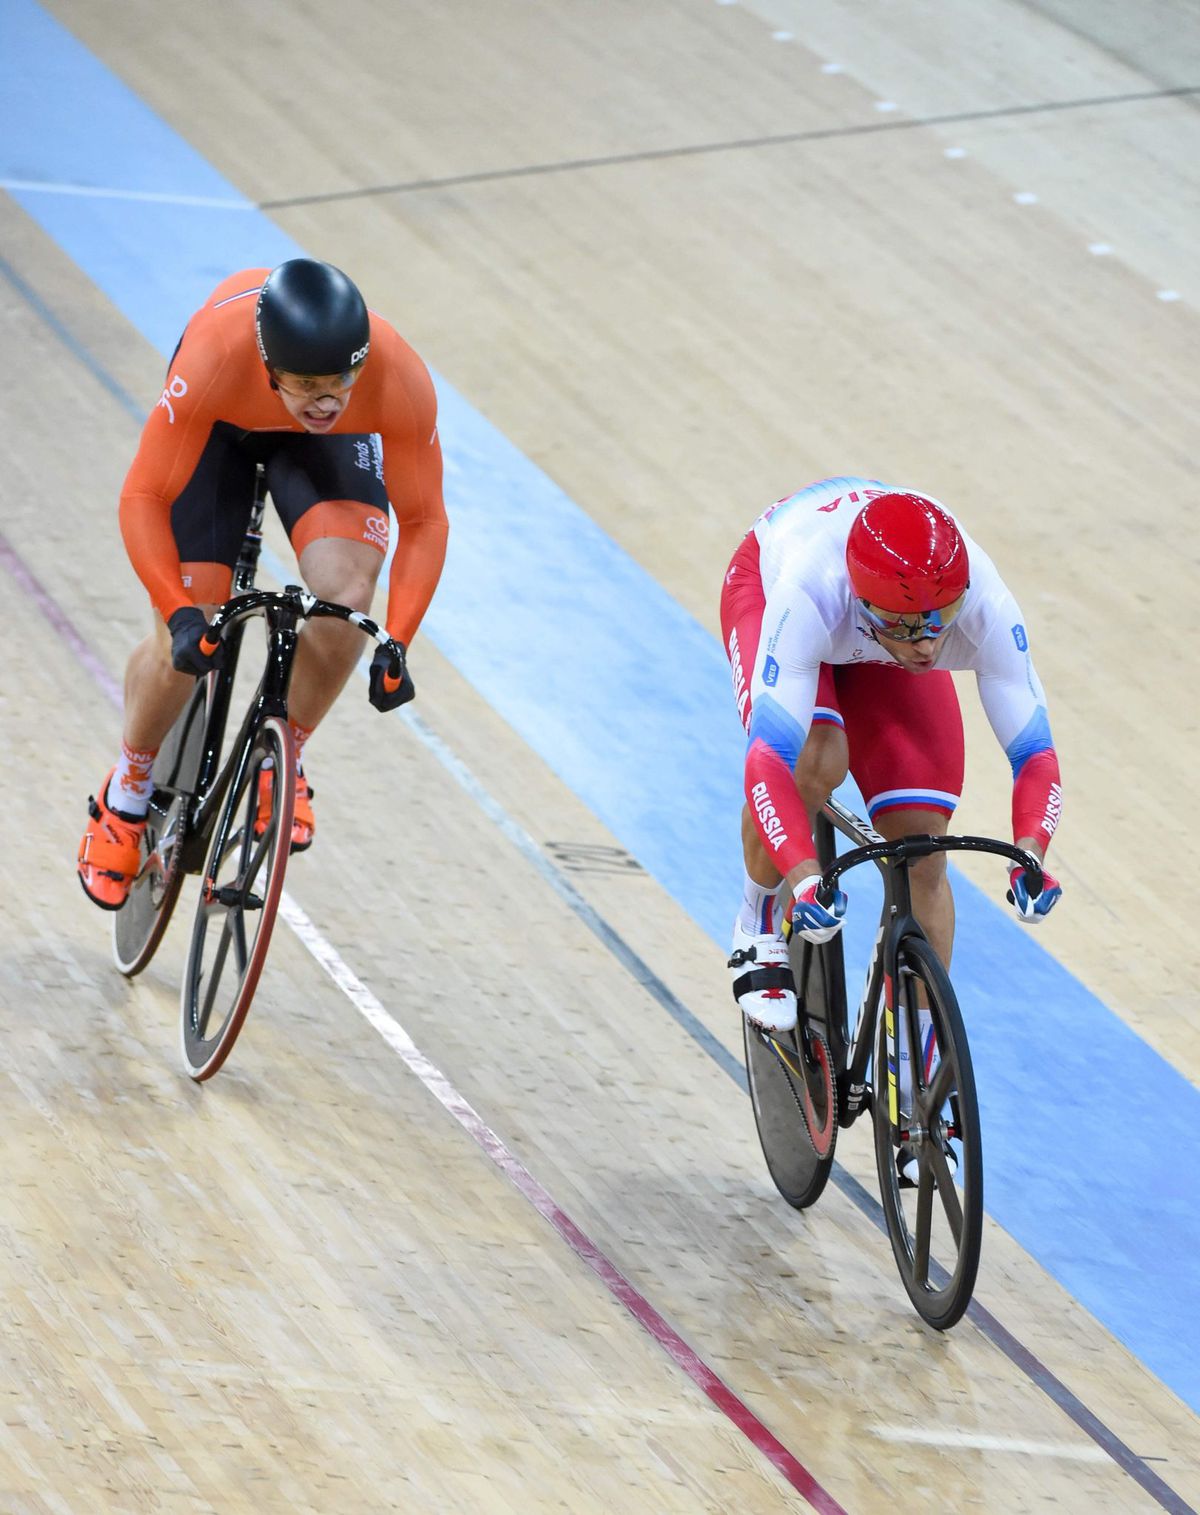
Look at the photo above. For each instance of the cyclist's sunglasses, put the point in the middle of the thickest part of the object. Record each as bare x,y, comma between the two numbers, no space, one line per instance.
920,626
316,384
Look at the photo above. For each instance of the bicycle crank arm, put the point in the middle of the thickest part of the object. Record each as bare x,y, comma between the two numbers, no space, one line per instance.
232,898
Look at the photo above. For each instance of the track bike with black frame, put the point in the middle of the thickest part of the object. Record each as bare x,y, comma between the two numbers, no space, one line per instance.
906,1060
204,814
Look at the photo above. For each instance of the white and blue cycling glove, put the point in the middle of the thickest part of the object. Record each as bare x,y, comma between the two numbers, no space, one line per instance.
1032,908
812,921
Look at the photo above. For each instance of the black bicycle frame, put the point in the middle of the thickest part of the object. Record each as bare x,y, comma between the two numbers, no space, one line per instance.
852,1057
213,781
282,612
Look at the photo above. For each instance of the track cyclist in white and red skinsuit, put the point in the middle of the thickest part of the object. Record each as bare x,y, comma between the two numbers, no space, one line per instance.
843,612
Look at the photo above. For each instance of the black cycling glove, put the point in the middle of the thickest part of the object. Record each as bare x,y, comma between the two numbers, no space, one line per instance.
388,698
187,627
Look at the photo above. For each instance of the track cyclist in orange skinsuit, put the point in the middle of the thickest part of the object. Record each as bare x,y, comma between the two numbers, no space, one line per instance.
843,612
286,368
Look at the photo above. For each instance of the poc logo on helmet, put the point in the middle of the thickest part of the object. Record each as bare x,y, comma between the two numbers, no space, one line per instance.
357,357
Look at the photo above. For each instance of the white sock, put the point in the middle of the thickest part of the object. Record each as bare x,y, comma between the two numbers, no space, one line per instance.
758,915
131,786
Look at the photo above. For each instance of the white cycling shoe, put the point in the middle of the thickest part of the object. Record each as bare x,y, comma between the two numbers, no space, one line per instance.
762,980
909,1169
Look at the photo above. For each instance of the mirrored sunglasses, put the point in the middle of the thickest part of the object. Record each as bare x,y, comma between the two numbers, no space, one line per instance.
917,627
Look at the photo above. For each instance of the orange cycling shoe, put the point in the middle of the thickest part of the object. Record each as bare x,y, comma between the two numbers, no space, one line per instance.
110,853
303,821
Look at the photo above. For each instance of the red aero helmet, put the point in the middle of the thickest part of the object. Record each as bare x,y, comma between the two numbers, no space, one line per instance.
905,554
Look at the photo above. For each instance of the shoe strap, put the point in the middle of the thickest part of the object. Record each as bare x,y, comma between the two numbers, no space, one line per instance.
103,852
759,979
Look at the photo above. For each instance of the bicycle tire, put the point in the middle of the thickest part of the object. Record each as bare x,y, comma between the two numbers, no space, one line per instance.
796,1118
212,1015
939,1286
138,927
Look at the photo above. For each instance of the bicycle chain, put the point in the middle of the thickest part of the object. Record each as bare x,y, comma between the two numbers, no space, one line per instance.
791,1083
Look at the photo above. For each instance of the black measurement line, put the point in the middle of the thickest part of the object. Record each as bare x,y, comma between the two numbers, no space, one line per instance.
736,144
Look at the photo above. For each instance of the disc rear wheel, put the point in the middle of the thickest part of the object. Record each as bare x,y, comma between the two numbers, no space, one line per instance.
139,925
794,1092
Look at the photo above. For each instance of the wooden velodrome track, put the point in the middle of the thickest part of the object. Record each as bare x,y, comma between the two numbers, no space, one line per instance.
310,1287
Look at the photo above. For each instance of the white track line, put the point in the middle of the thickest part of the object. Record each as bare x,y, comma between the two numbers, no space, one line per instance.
980,1442
103,192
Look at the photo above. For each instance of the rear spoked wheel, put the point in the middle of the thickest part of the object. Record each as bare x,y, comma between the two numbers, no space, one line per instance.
936,1226
794,1092
239,899
139,925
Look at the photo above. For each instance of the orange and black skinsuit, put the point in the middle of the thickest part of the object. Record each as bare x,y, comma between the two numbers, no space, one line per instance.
188,492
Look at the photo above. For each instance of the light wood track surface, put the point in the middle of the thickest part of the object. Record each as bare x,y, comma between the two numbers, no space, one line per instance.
304,1287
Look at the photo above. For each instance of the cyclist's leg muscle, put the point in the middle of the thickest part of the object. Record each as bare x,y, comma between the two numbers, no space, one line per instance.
825,757
932,897
154,692
343,571
330,496
905,738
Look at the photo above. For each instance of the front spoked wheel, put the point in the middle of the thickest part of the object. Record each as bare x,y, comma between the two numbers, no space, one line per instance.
794,1091
930,1121
239,898
139,925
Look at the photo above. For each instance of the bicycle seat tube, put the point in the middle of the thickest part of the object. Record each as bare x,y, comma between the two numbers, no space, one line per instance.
247,563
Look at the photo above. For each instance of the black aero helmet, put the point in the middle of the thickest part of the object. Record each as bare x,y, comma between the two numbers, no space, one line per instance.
311,319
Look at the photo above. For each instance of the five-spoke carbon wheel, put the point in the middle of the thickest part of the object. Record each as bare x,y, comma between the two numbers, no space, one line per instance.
936,1226
240,890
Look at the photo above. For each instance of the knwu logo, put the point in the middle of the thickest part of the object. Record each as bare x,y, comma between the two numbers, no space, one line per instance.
375,530
175,390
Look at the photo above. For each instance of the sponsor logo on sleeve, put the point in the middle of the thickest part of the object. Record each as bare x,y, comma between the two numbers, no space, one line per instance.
741,691
1053,810
175,390
770,672
1019,637
772,826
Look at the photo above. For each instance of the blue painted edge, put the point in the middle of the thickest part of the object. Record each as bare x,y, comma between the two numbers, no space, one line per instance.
1093,1140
